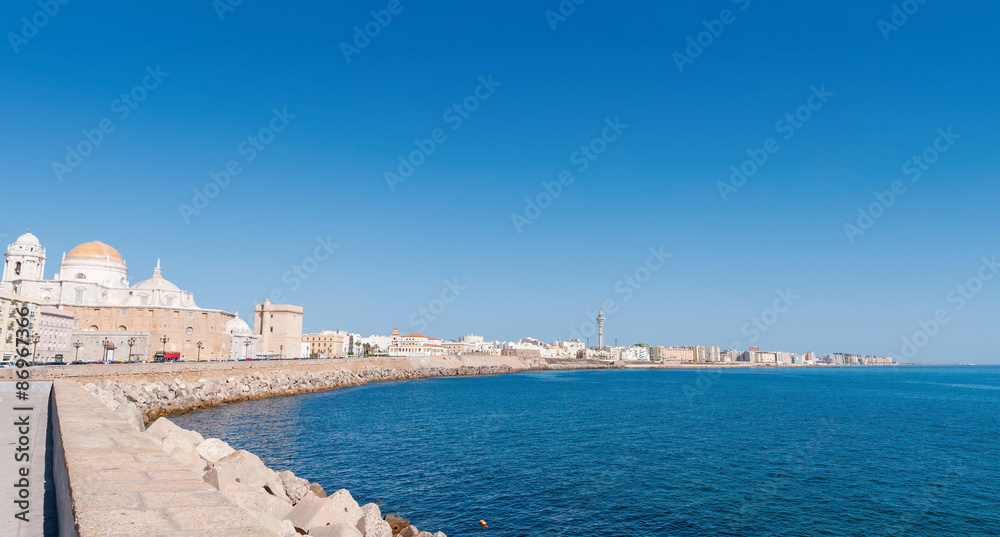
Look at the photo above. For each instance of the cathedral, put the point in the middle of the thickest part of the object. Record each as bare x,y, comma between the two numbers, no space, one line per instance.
92,282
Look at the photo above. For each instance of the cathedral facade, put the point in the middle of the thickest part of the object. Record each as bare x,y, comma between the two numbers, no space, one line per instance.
92,282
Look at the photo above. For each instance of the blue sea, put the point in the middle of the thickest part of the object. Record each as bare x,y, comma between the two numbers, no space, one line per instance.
843,451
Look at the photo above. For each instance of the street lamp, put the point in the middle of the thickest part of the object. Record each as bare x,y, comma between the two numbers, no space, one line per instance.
35,340
199,351
131,341
105,343
246,349
164,340
281,351
77,345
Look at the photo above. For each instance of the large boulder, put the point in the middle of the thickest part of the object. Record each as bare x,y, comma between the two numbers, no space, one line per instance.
335,530
276,488
397,524
239,469
133,416
256,500
295,487
214,449
409,531
312,512
317,489
180,446
162,427
371,523
343,501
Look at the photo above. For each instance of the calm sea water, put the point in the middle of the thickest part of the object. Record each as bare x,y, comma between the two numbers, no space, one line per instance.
852,451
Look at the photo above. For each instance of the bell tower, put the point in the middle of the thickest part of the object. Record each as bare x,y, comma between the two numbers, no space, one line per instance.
24,260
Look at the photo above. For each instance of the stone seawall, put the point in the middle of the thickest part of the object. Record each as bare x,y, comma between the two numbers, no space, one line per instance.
142,392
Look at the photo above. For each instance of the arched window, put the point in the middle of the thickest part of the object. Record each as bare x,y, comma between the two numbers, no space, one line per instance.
80,276
17,268
122,329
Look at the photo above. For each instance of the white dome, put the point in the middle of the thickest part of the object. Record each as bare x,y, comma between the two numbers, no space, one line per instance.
156,283
28,238
237,327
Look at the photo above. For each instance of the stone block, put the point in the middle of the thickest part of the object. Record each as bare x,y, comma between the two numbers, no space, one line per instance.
372,525
317,489
397,523
214,449
312,512
239,469
295,487
409,531
257,500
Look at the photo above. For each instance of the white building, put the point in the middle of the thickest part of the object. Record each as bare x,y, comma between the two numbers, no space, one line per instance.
92,274
244,340
415,345
471,339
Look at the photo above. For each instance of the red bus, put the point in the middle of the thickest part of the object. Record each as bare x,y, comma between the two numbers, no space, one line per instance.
166,357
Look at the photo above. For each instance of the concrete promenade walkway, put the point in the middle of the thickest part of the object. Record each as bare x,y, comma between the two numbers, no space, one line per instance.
123,484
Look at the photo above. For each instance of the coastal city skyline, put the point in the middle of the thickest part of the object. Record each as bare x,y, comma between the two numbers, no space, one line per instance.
90,297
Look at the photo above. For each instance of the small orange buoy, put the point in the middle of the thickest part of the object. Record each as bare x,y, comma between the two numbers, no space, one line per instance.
483,523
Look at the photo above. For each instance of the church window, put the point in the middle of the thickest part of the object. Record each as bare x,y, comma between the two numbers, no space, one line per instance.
188,330
80,276
124,313
122,329
17,269
190,315
170,301
79,296
143,300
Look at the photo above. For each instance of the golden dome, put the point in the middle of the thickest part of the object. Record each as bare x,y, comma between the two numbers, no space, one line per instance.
95,250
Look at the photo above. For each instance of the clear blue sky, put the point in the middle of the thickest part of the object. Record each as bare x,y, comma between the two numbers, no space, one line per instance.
656,185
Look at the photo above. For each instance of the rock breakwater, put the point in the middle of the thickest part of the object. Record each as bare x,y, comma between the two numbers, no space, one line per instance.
283,503
145,401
